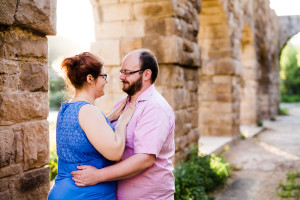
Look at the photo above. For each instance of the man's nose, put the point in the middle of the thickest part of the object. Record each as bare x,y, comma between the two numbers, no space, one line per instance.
122,76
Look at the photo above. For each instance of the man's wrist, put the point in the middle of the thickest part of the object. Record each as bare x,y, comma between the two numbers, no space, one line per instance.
99,176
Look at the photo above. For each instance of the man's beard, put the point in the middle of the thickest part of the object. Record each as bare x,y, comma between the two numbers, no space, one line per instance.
134,87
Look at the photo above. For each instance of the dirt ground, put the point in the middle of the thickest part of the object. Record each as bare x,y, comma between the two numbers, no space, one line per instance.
261,163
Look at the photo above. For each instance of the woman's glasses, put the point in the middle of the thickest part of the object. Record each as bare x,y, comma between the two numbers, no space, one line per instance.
104,76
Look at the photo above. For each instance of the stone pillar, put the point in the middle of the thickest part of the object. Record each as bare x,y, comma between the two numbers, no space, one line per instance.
249,82
169,29
24,143
219,85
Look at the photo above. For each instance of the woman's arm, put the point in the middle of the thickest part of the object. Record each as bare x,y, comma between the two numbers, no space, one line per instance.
111,145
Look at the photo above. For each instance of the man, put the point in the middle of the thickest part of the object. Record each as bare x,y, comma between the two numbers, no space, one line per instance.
145,170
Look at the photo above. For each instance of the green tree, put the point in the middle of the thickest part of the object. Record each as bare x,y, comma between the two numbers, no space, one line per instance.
290,73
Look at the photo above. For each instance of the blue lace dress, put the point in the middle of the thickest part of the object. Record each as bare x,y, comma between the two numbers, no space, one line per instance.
73,149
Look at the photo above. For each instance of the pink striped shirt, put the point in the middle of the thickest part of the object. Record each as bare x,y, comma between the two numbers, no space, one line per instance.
150,131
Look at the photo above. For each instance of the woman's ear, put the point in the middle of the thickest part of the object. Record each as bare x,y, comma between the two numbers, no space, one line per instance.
89,79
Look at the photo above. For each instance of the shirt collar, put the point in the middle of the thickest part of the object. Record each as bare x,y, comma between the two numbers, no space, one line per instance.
146,94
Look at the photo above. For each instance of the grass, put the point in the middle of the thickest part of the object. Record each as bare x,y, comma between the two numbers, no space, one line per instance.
290,189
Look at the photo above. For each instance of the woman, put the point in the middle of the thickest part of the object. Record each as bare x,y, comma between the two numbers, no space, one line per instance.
84,135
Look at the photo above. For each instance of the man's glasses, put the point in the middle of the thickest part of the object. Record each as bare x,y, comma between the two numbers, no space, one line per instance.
104,76
127,73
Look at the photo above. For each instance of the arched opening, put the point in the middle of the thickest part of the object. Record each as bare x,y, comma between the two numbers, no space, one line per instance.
249,85
215,85
290,70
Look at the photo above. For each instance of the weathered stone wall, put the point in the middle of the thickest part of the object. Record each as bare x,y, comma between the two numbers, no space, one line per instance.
167,28
24,143
239,81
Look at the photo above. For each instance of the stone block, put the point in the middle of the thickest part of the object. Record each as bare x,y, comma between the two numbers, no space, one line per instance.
39,15
108,50
224,97
179,122
134,28
222,79
222,131
3,185
194,114
36,144
22,44
109,30
9,82
222,88
138,1
19,146
10,170
7,11
167,49
183,143
5,195
193,136
153,9
221,107
163,26
129,44
192,86
23,106
7,148
34,77
34,184
116,12
9,67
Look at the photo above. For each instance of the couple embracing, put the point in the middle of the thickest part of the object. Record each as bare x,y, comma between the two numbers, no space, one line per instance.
126,155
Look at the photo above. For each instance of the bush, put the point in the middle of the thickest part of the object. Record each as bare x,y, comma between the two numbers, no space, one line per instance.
290,98
53,164
199,175
259,123
283,111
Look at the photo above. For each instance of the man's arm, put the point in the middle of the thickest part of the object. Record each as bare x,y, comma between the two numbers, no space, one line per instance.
89,175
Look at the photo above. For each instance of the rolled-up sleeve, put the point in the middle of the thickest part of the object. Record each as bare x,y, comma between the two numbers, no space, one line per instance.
151,131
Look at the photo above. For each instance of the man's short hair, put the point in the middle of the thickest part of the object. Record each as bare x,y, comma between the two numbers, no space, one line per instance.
148,61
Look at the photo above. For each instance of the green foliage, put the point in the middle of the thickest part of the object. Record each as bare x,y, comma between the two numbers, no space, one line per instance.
283,111
57,92
290,74
290,98
199,175
273,118
53,164
291,189
259,123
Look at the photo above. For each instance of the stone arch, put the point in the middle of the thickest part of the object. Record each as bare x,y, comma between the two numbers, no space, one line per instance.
217,102
290,25
248,95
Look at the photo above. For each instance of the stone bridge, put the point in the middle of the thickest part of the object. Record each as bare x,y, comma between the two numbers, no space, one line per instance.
219,69
290,25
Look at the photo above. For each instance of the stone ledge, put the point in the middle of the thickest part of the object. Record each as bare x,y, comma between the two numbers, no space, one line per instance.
249,131
217,145
212,144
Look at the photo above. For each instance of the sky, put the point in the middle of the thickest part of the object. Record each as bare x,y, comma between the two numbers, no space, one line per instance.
75,19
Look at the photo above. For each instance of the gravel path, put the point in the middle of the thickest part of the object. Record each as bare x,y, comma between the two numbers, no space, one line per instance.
262,162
